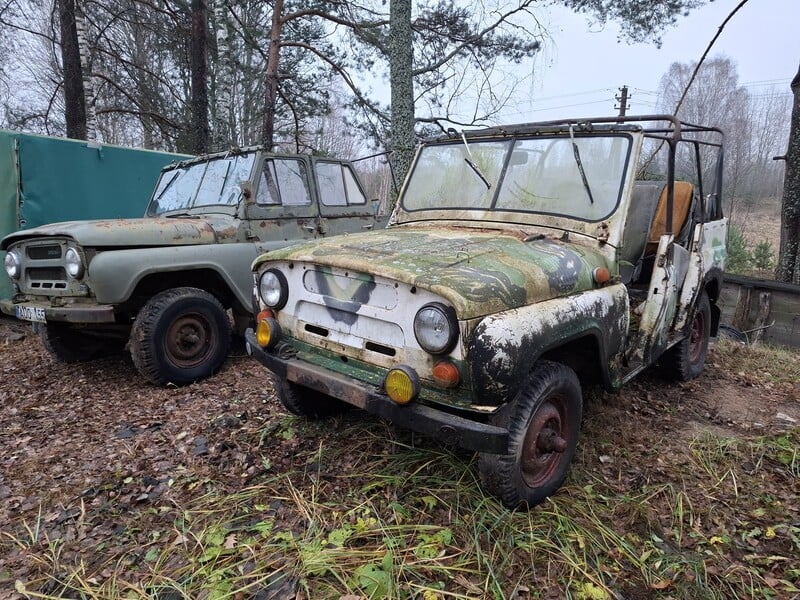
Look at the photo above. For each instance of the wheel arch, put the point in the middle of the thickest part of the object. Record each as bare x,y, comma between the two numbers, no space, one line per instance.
128,278
585,354
585,332
206,279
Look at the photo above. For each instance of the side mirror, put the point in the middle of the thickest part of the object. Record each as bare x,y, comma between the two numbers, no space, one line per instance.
247,192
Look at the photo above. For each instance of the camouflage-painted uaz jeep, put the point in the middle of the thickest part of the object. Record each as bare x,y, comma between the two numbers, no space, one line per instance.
164,283
520,264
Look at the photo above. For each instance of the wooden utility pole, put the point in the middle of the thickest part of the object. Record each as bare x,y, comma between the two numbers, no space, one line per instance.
623,101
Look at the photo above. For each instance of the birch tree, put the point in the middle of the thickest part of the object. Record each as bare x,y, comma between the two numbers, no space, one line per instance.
715,99
225,130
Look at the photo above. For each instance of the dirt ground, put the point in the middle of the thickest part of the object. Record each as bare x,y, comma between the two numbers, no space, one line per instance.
93,444
760,221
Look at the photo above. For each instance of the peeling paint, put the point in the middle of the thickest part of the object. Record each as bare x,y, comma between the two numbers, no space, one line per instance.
531,272
478,273
207,222
506,345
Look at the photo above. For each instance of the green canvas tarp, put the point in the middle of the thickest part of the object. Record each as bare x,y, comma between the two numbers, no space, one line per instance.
47,180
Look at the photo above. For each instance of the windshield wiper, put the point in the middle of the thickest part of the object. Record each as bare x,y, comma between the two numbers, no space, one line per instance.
577,153
472,165
168,184
182,213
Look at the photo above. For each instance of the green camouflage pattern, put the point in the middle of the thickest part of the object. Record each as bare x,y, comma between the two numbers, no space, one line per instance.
479,273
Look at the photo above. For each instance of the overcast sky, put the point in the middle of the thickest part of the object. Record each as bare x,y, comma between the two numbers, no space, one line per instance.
578,72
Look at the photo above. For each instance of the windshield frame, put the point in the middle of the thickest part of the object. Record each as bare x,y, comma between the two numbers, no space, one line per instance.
228,186
490,209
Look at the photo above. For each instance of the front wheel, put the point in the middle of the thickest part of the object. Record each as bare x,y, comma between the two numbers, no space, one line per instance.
73,345
686,359
543,422
305,402
180,336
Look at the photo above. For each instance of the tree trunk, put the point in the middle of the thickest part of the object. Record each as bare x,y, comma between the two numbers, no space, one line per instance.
401,81
86,70
789,256
225,134
199,68
272,77
74,100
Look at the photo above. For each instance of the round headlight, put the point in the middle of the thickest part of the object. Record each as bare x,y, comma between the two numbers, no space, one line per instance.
273,289
436,328
73,263
13,265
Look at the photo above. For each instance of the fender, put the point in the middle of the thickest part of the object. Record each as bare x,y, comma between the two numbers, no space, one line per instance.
115,274
505,346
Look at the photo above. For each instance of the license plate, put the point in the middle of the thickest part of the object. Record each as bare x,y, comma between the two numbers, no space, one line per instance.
30,313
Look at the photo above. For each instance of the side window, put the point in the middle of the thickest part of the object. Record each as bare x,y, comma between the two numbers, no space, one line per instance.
337,185
331,184
354,194
283,181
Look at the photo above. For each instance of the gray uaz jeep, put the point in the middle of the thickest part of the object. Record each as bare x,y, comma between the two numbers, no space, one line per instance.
163,283
520,263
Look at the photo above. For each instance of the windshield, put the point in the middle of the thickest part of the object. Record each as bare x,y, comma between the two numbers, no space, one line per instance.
542,176
211,183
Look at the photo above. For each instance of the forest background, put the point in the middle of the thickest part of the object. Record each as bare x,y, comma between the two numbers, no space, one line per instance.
348,78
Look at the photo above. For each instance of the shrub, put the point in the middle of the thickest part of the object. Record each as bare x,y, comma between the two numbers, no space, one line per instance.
763,256
738,255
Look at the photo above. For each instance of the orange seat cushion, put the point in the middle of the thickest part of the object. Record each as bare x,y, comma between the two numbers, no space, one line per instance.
682,202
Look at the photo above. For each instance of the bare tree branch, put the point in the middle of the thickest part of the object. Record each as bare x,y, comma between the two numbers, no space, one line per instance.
343,74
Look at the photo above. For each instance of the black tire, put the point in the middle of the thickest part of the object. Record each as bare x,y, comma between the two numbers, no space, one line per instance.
686,359
305,402
180,336
544,423
71,345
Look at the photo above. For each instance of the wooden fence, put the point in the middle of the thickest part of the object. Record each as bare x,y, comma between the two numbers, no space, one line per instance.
763,310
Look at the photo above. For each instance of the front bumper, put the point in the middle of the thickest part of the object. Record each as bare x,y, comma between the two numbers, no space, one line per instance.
433,422
70,313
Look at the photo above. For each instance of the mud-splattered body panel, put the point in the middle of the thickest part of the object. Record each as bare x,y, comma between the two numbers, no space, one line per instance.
555,243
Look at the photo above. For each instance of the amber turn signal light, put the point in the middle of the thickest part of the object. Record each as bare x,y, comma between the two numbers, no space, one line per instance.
446,374
601,275
265,314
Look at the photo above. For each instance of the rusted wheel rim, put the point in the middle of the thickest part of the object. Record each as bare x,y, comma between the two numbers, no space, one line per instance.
190,340
545,442
697,336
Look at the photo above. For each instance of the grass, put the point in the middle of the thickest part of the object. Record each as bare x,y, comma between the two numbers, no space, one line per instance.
765,364
367,511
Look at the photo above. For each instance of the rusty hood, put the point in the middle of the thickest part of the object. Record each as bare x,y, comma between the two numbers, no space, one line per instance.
479,273
157,231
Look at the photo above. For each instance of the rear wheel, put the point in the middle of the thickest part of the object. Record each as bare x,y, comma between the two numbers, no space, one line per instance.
687,358
305,402
543,422
180,336
72,345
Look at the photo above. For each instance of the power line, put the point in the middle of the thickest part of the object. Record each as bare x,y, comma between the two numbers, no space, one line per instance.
570,105
765,82
535,110
586,93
